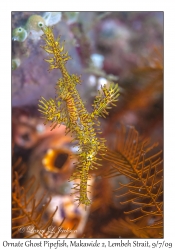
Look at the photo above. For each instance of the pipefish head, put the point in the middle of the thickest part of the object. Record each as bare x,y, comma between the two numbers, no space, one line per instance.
34,26
35,22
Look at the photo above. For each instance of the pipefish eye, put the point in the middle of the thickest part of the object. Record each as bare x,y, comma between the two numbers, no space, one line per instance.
40,24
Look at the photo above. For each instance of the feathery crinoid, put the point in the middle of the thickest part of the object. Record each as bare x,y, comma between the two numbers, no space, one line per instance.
144,192
28,213
68,109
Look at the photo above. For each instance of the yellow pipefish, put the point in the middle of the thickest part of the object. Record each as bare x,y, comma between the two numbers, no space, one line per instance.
68,109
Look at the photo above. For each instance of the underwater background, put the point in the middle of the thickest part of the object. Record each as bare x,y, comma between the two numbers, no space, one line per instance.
122,47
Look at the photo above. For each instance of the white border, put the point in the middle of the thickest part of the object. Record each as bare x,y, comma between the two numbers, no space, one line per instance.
5,94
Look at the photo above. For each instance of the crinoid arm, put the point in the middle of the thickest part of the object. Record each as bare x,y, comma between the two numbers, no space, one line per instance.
143,193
